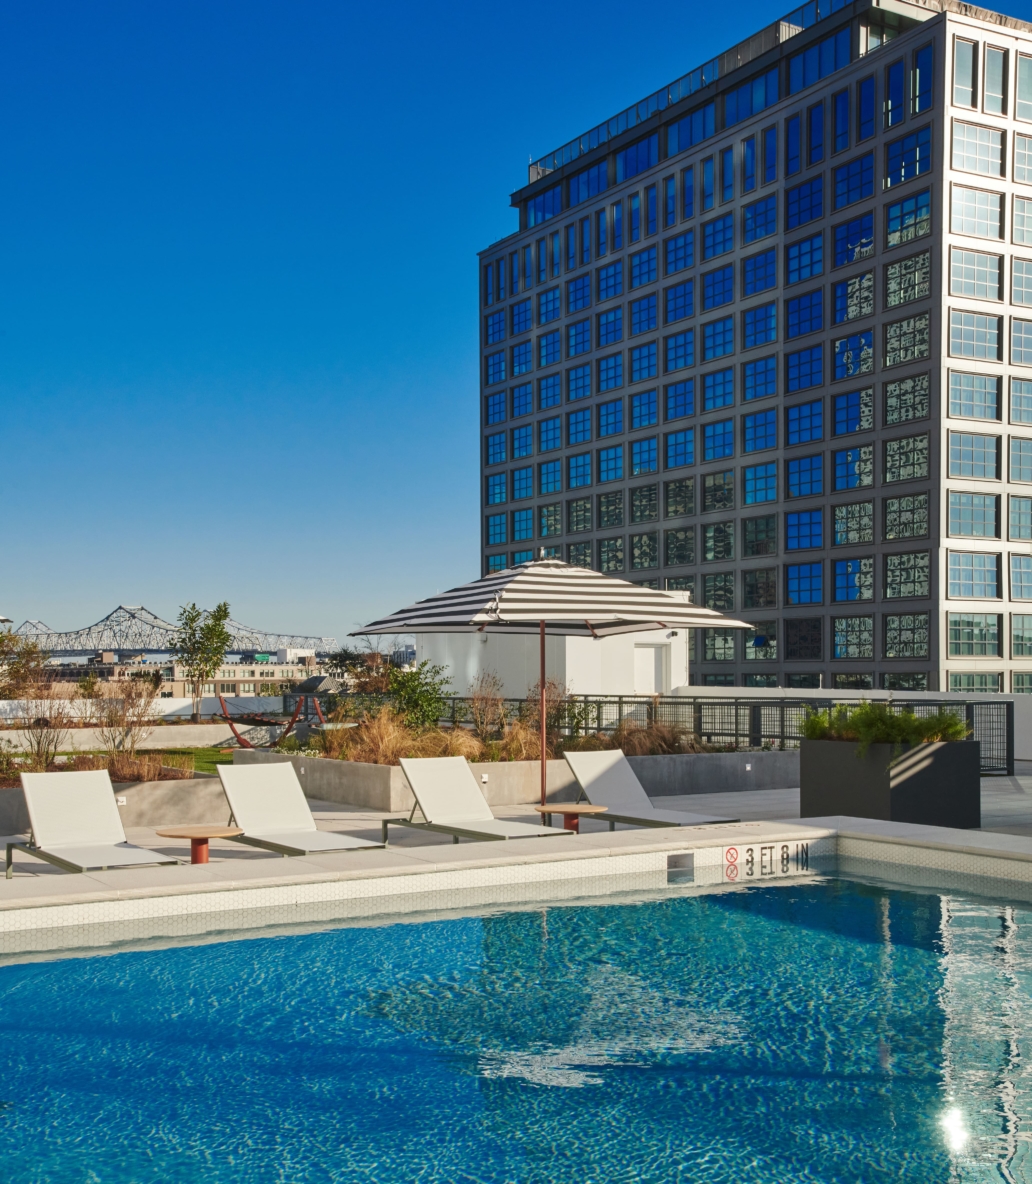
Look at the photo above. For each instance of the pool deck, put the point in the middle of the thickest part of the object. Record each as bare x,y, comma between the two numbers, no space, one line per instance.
44,909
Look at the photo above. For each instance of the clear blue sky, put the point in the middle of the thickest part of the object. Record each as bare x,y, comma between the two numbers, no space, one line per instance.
238,322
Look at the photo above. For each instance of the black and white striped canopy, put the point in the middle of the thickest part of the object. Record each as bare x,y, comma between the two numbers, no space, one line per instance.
571,600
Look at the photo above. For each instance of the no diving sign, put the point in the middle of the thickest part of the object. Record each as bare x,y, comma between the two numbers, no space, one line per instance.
765,861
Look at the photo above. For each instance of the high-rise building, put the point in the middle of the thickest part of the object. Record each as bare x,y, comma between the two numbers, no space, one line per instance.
766,337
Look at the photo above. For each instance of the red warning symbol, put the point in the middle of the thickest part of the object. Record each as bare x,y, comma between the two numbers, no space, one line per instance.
731,855
731,871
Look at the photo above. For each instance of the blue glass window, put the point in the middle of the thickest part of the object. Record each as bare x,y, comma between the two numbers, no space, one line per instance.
610,418
495,367
643,267
643,410
760,218
544,206
521,318
680,252
610,464
549,307
638,158
495,408
760,378
680,448
680,350
854,180
550,392
718,338
589,183
550,478
578,382
852,582
760,325
519,557
578,339
522,400
908,157
496,448
695,127
852,413
819,60
804,530
680,399
854,354
804,203
522,483
852,469
522,358
495,328
803,583
760,431
550,349
804,259
578,293
804,314
718,439
760,272
643,314
643,456
578,470
522,442
496,532
643,362
610,281
751,97
610,327
804,369
550,434
718,236
718,389
805,422
578,427
760,483
806,476
854,240
497,485
680,301
610,372
793,157
718,287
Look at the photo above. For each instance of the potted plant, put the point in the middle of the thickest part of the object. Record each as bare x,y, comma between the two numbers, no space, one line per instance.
868,761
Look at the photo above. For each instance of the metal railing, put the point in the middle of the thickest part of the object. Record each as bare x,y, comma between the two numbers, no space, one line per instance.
695,80
723,722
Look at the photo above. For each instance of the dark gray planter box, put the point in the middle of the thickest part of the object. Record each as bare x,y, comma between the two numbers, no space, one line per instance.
931,784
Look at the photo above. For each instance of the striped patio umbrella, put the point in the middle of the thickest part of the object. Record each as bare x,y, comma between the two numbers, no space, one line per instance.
547,595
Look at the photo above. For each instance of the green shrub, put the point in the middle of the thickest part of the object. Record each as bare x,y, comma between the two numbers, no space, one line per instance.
418,695
870,723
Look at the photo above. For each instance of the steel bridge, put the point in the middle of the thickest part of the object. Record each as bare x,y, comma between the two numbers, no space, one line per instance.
135,629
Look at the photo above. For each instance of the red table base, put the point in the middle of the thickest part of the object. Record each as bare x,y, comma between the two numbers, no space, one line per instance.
198,850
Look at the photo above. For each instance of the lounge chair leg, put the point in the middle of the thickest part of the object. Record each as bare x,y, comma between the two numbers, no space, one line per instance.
612,825
10,872
383,831
455,838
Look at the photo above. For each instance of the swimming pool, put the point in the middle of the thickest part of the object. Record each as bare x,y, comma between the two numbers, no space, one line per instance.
826,1030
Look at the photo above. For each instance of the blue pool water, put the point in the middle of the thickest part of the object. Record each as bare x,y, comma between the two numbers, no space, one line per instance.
828,1031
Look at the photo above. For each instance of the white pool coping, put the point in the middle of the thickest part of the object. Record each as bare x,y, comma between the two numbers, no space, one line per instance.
100,910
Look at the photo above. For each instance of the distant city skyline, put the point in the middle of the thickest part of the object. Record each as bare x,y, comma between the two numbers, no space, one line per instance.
233,238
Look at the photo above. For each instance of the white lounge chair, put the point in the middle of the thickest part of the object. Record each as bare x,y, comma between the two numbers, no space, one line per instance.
607,779
448,797
269,805
75,824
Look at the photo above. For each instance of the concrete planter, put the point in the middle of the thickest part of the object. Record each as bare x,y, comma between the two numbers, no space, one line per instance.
383,787
929,784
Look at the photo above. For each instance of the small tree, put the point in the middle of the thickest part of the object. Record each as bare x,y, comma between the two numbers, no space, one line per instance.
21,665
200,645
127,720
418,695
45,724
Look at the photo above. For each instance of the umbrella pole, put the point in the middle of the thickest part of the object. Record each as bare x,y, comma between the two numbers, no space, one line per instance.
544,752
